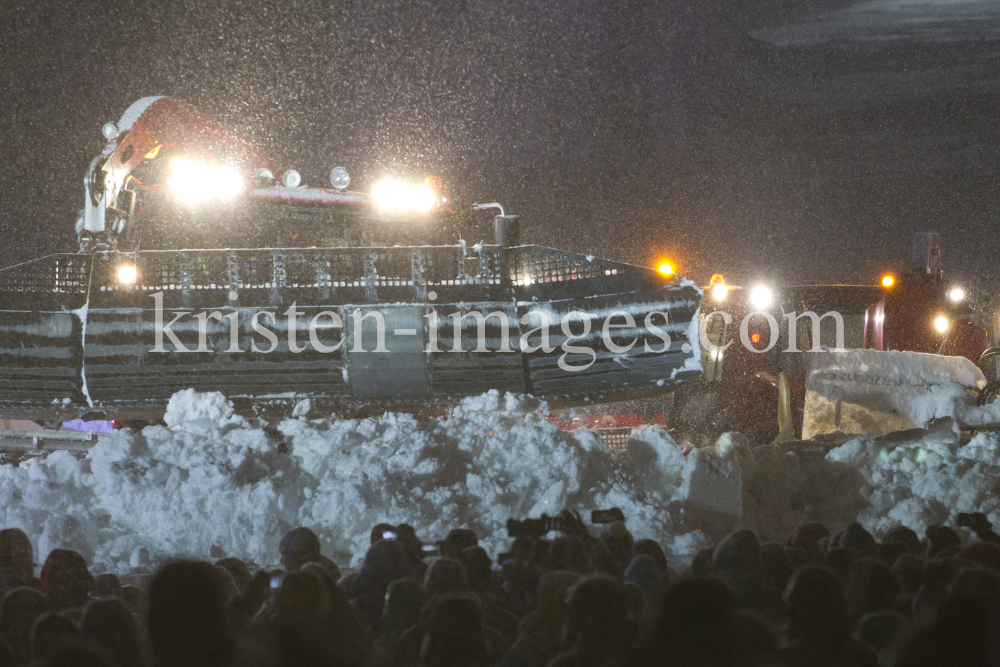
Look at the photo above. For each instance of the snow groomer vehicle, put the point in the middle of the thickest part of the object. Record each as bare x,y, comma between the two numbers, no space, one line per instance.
203,263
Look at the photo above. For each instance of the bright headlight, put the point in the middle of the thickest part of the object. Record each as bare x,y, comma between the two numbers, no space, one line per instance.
760,297
957,294
126,274
720,292
941,323
193,182
395,196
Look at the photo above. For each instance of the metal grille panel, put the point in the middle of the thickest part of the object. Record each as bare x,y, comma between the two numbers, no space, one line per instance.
615,438
535,264
63,274
320,267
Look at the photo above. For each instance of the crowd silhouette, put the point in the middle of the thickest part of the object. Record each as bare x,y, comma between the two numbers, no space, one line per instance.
585,597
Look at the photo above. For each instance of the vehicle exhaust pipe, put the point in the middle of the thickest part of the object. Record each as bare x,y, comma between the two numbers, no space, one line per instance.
506,228
507,231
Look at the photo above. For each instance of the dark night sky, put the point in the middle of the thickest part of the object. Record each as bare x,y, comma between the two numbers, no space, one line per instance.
804,141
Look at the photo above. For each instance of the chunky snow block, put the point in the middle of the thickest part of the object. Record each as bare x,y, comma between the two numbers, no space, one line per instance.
872,392
713,491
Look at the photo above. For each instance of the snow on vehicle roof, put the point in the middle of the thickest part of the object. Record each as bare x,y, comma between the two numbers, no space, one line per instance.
127,121
133,112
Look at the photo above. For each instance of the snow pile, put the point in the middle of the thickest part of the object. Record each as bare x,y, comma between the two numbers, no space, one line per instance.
924,480
209,479
915,478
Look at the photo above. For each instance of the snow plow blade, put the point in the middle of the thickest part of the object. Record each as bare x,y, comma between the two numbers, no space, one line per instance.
400,327
874,392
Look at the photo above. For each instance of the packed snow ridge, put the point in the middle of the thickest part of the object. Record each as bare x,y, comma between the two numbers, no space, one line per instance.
208,478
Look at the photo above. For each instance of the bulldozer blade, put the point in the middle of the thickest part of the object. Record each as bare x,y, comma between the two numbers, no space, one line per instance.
874,392
402,328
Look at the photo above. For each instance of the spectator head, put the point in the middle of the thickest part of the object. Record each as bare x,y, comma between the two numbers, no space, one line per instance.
66,582
445,576
319,572
457,540
870,587
738,553
525,549
776,564
111,624
550,608
77,651
795,557
651,548
350,583
985,554
47,631
403,602
297,600
18,611
637,603
407,536
755,639
696,624
479,569
602,561
379,530
889,552
331,568
568,552
455,636
238,570
135,599
964,629
840,561
229,590
596,616
806,539
16,555
815,604
642,572
701,564
909,572
106,585
902,535
977,582
618,541
187,617
935,578
940,538
857,539
298,547
385,562
880,631
834,541
949,552
334,603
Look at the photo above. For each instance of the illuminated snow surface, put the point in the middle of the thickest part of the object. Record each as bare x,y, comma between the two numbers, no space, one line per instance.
210,479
